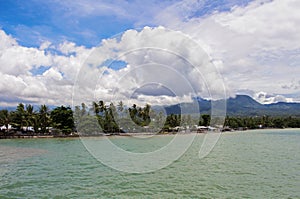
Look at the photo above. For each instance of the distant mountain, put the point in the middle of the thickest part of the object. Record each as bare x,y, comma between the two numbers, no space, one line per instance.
244,105
241,105
284,108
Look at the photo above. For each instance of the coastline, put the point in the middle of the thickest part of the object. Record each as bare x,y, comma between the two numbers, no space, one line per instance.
135,134
37,136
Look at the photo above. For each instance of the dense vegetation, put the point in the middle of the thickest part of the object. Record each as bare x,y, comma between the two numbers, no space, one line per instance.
103,118
262,122
25,119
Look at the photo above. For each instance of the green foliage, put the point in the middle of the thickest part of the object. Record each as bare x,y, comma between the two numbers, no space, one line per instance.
44,119
5,119
140,116
105,116
262,122
88,125
62,119
19,117
204,120
172,121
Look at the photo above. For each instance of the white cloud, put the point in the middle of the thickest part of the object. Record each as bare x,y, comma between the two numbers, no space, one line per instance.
256,45
45,45
265,98
6,41
17,60
253,47
154,56
53,74
11,84
53,86
161,100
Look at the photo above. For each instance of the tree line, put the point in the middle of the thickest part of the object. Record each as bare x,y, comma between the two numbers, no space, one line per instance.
266,121
111,118
102,117
43,121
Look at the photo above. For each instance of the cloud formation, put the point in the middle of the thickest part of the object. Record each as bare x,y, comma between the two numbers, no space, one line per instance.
265,98
153,56
253,45
52,86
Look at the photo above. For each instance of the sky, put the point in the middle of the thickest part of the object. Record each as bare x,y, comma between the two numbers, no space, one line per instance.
159,52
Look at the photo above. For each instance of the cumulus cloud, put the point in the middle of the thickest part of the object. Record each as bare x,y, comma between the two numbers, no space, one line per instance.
153,56
266,98
255,46
17,60
53,86
251,47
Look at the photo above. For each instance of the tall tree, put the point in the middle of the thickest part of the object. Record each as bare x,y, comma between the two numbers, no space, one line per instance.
62,119
80,113
83,109
146,115
19,117
102,106
35,122
45,120
205,120
96,108
5,119
140,116
29,114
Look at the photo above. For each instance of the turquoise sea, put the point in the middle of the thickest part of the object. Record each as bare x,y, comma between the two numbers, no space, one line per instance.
249,164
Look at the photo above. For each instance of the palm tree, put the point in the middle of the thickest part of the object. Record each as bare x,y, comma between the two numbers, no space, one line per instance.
133,112
102,106
44,118
19,117
120,106
96,108
146,114
35,121
29,116
83,109
5,119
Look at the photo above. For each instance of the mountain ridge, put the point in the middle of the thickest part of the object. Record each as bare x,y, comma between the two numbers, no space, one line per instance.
242,105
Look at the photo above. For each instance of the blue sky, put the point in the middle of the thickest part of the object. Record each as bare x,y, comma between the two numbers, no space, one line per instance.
32,22
43,44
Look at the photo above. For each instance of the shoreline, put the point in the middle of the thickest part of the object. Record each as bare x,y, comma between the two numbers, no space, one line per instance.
37,136
132,134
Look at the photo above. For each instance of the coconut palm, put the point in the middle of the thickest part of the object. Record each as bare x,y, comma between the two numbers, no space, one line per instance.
44,114
19,117
5,119
29,113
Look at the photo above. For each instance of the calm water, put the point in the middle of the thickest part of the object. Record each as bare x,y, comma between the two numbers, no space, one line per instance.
252,164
